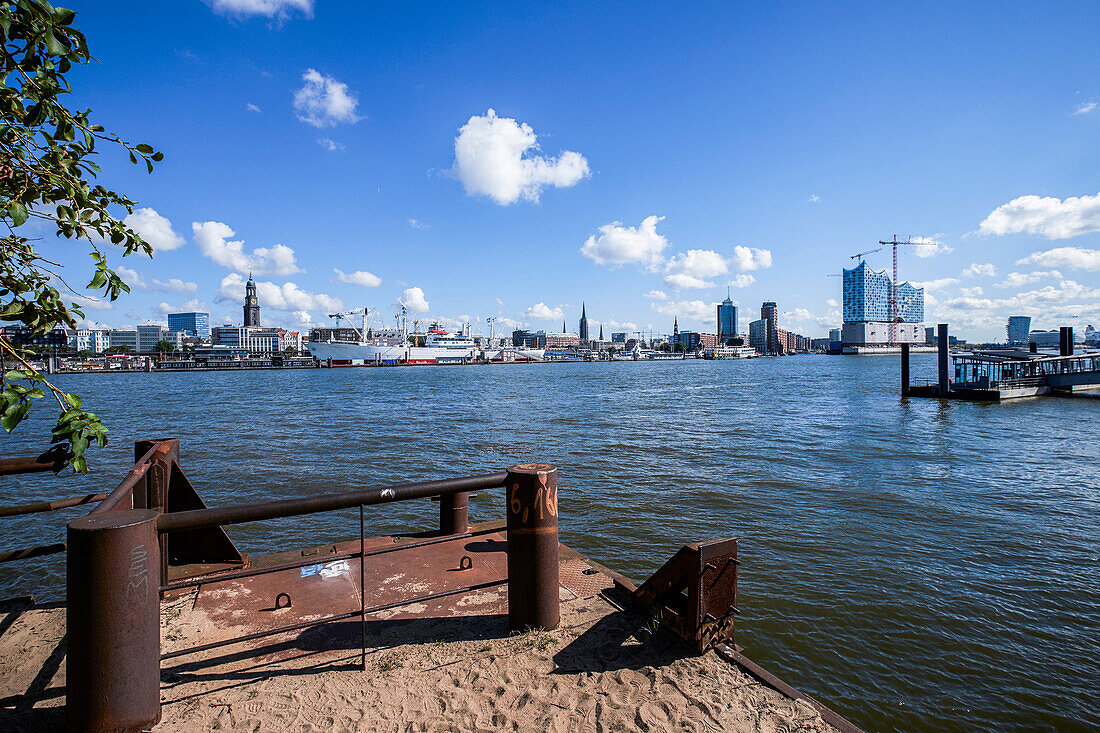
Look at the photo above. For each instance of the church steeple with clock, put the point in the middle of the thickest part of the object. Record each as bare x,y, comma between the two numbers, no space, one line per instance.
251,305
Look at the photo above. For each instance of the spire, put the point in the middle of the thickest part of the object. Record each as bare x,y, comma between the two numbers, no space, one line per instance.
582,310
563,328
601,332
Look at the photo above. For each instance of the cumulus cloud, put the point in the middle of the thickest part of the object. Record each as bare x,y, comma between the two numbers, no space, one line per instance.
938,284
975,269
274,9
695,268
930,246
542,312
1019,279
751,258
154,229
491,159
1045,215
1073,257
325,102
612,326
131,277
690,310
359,277
657,295
212,237
742,281
414,301
1084,108
175,285
286,297
972,292
619,245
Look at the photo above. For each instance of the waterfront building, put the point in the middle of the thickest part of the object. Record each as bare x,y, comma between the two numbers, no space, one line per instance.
85,339
727,320
551,340
819,344
123,337
1017,330
583,331
834,334
769,313
193,324
257,340
56,338
867,310
1092,337
758,336
619,338
322,335
251,304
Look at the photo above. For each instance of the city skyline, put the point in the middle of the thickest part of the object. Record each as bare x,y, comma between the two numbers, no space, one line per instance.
414,168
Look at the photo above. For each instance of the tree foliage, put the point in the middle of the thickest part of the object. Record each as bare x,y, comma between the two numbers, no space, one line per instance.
47,174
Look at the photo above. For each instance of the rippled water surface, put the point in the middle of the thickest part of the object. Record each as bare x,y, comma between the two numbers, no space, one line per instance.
917,565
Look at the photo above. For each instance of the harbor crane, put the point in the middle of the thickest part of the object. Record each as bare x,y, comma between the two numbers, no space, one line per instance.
365,313
860,255
894,285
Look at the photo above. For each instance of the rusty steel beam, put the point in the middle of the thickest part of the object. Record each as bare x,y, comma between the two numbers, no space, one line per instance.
51,505
125,489
112,620
29,552
240,513
533,547
51,460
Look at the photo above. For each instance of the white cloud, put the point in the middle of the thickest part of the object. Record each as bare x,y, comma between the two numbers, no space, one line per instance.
814,198
619,245
542,312
656,295
94,303
1084,108
938,284
692,310
504,322
286,297
972,292
742,281
413,299
274,9
154,229
489,161
930,246
253,108
325,102
1019,279
175,285
131,277
831,302
1073,257
329,144
1045,215
359,277
418,224
751,258
212,238
611,326
975,269
694,268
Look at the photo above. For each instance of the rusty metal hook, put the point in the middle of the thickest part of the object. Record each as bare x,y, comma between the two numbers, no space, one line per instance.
279,598
465,563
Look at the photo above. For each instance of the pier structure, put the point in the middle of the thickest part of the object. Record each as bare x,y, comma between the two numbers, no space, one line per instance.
999,374
154,579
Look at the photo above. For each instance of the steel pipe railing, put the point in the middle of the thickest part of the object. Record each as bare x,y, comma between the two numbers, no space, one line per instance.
51,505
126,487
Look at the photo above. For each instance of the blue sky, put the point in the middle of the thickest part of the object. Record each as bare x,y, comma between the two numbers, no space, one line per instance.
679,149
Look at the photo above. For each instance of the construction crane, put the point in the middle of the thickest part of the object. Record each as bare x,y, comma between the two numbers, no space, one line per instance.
894,285
860,255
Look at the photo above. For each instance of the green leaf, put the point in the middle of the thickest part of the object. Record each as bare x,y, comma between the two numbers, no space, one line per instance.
98,281
18,213
74,399
143,148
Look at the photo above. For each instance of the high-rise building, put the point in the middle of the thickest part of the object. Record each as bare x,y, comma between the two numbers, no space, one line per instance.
769,313
583,330
193,324
758,336
834,334
868,312
1018,328
727,320
251,305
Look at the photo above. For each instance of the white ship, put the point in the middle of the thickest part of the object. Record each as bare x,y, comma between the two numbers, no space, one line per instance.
398,346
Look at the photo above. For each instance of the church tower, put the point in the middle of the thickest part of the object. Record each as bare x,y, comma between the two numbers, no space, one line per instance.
584,325
251,305
675,332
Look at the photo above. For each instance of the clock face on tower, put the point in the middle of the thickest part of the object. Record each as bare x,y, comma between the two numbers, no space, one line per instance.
252,301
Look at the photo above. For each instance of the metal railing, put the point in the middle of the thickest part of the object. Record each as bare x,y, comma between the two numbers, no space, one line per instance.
116,551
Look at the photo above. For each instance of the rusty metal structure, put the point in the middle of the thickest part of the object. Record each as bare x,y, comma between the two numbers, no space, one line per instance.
153,535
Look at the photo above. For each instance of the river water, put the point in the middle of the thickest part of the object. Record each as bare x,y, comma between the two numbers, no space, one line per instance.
917,565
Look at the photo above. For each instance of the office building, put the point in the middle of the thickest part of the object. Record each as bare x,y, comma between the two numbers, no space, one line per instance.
192,324
1018,328
95,341
55,339
727,320
123,337
619,338
769,313
758,336
834,334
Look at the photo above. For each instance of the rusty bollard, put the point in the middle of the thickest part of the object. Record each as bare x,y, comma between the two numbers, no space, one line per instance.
454,513
533,547
113,622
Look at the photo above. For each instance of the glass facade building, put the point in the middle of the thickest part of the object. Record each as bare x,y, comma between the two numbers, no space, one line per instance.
1018,328
193,324
727,320
867,297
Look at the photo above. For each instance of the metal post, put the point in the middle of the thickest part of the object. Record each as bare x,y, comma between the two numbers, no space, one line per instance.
1065,340
113,622
941,345
533,547
454,513
1033,348
905,370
